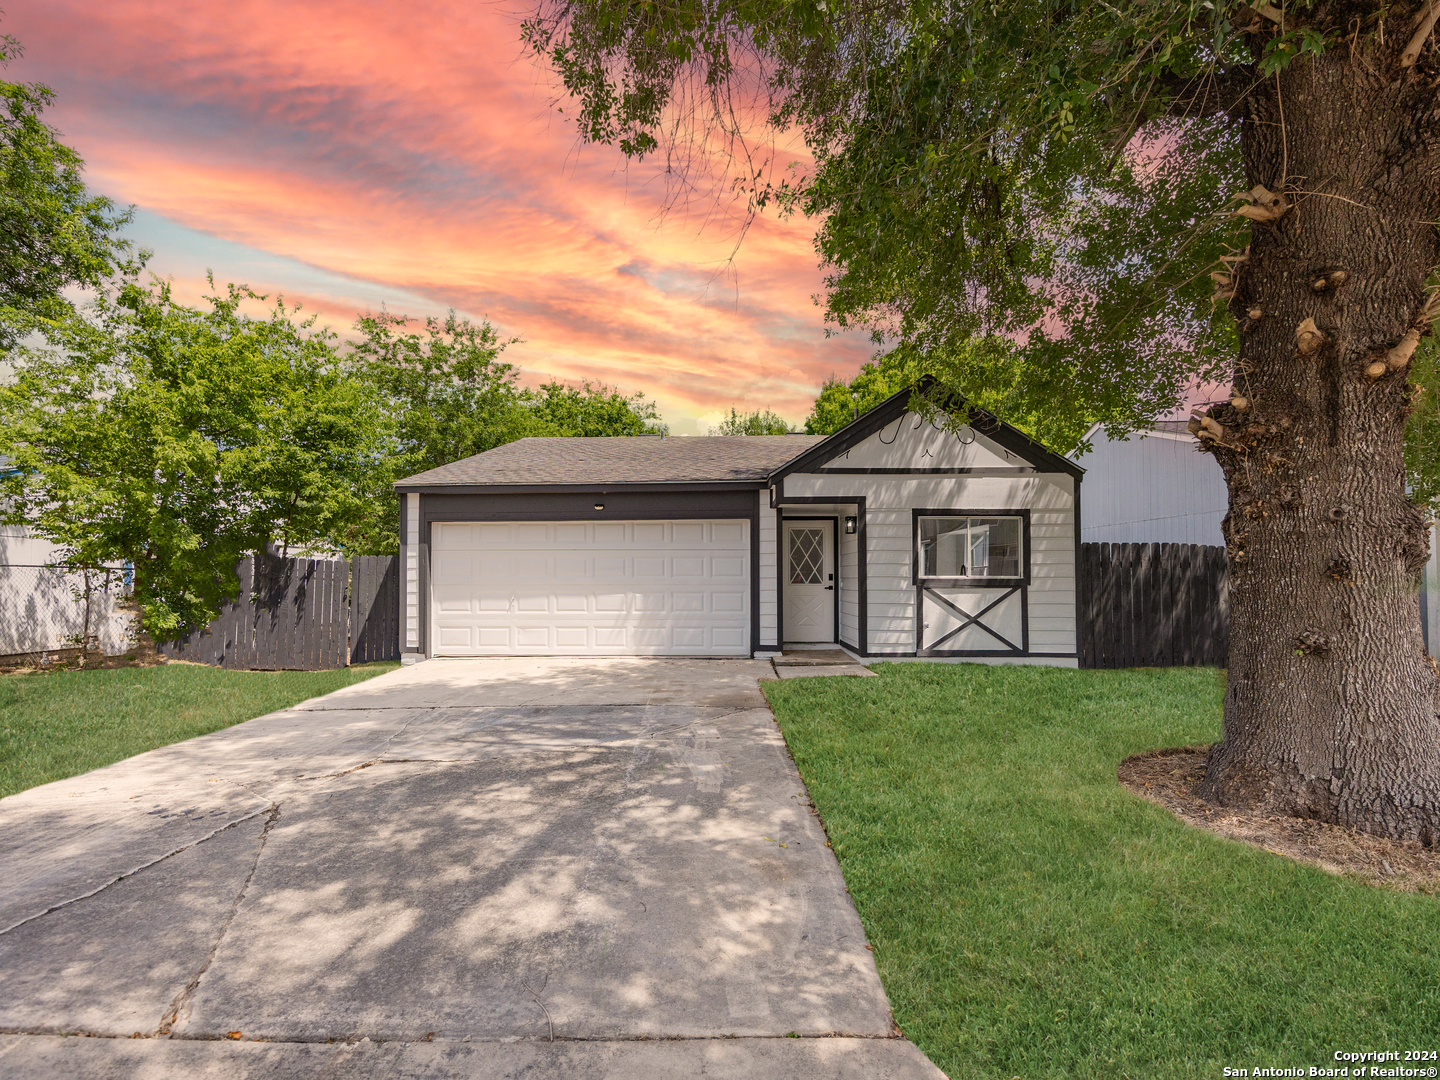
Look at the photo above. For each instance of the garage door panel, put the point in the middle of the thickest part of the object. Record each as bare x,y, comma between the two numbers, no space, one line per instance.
726,601
451,535
452,569
447,600
609,588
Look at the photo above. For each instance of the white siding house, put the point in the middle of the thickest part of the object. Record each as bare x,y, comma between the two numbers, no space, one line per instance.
891,537
907,471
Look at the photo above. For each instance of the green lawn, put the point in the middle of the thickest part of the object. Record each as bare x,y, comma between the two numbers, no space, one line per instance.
62,723
1031,918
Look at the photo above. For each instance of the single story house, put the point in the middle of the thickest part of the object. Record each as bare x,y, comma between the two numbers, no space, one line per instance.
891,537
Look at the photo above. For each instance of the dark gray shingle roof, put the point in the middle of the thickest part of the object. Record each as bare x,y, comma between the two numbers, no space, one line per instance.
637,460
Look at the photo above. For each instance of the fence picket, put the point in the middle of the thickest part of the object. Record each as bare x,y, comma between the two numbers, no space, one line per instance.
306,614
1152,605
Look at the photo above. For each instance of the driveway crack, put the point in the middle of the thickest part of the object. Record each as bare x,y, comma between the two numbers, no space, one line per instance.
135,870
182,999
401,731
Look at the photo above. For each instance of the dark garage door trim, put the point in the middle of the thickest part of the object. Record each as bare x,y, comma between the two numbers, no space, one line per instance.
619,505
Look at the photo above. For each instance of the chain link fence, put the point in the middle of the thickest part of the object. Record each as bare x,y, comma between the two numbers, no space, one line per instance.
47,610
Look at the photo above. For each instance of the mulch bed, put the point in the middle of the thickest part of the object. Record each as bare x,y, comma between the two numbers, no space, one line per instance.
1169,777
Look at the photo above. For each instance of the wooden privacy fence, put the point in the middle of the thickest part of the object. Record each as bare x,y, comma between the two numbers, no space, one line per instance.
1152,605
302,614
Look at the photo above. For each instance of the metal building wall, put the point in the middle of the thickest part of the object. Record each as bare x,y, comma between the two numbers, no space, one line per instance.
1430,595
1151,489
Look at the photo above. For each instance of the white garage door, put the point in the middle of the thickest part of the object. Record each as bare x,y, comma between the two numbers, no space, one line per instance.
658,588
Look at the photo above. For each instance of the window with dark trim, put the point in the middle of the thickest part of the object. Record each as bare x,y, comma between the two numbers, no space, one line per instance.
954,546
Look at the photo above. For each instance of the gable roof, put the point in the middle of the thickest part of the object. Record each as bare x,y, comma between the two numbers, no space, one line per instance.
894,407
570,460
758,460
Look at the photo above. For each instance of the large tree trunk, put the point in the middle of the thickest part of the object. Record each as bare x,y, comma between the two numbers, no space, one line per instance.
1330,711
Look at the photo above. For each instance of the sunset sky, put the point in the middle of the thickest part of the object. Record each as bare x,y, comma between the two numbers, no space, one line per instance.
357,154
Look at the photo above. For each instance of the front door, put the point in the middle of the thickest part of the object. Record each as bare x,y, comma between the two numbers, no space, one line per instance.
809,568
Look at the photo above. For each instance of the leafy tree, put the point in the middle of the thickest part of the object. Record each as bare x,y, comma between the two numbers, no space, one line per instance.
1067,176
591,409
752,423
449,395
989,367
54,234
178,439
448,390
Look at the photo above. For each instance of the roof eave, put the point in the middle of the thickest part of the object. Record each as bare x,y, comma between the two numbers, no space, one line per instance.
402,487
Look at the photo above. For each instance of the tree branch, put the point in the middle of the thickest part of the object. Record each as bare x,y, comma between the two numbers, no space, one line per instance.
1418,39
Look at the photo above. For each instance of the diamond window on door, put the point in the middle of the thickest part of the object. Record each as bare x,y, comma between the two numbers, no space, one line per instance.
807,556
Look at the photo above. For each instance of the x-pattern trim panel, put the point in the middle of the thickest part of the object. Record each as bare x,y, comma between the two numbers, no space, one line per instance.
969,620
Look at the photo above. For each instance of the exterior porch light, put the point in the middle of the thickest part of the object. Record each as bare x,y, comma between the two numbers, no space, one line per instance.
599,506
850,524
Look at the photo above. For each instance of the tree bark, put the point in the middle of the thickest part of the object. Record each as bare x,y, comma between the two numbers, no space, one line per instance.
1330,709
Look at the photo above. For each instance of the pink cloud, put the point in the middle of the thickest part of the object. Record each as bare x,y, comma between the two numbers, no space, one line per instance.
414,146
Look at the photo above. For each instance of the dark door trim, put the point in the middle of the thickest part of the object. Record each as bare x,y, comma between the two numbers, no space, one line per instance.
834,558
862,561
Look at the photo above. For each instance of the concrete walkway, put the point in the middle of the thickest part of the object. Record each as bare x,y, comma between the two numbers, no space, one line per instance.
811,662
463,868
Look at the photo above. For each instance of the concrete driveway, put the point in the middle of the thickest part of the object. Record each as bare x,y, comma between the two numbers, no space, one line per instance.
517,867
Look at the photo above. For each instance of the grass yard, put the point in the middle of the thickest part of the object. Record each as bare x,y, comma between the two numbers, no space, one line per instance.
1032,918
62,723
